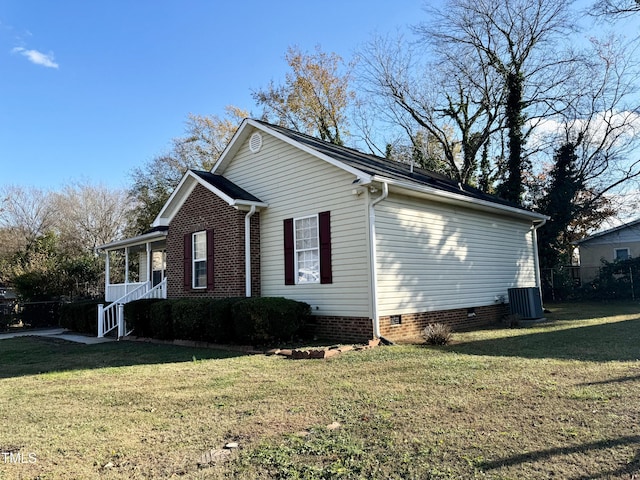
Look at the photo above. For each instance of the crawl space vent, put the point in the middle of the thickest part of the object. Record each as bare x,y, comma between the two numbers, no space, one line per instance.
255,143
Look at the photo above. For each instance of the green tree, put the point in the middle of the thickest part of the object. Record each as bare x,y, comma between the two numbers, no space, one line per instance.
559,204
206,137
314,97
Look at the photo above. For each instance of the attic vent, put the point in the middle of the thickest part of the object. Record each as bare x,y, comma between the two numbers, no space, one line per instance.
255,143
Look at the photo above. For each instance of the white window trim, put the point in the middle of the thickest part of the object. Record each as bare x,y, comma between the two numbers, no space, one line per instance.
195,260
296,250
616,250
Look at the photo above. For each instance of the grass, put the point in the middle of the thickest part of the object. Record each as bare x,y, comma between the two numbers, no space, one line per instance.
557,400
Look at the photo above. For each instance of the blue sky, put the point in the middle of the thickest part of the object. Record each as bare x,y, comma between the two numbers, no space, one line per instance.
90,90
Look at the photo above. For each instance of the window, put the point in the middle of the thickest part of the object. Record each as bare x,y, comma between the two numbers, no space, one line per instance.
621,254
307,249
199,259
307,252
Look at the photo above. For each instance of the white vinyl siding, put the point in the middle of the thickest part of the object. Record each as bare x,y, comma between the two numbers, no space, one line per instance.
437,257
295,184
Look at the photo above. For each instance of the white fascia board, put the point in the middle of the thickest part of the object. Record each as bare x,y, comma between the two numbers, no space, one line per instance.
249,204
241,135
133,241
450,197
178,197
182,192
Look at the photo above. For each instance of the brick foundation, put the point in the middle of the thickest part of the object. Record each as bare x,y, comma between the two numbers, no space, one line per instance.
341,329
412,324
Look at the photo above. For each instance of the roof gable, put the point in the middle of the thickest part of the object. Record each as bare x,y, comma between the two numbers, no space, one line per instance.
217,184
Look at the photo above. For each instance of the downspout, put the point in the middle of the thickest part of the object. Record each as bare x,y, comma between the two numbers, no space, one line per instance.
374,269
247,250
536,258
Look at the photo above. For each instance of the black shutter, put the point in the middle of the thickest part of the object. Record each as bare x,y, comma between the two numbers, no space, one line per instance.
289,264
324,227
210,258
187,261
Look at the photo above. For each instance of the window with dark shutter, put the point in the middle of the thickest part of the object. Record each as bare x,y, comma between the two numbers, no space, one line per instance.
307,249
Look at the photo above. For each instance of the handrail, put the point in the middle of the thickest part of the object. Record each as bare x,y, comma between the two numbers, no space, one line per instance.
112,316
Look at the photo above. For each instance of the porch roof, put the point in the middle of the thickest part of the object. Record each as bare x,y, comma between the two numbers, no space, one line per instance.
154,235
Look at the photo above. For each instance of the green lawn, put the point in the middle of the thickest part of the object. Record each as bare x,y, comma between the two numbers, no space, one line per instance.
558,400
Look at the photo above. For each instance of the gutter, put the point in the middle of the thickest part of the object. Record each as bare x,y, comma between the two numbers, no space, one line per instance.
372,250
462,199
247,250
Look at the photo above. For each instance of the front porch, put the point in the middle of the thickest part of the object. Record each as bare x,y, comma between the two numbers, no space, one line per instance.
135,268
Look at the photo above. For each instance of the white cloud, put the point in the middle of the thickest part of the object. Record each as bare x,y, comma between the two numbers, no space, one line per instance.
39,58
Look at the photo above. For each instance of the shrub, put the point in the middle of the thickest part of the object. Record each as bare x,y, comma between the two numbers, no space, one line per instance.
138,315
80,317
160,321
219,327
189,317
437,334
264,319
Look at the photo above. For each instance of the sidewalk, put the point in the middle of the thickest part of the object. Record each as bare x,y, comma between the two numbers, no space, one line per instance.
57,333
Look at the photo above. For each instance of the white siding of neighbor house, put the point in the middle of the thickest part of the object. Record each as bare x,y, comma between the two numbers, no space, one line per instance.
432,256
296,184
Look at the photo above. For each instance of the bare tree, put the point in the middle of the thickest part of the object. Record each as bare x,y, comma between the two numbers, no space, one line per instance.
89,215
435,98
595,138
519,40
26,211
615,9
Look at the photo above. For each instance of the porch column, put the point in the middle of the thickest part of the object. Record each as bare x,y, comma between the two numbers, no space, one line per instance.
149,272
107,273
126,269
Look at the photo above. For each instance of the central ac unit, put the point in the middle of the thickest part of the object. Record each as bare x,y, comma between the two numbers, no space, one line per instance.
526,302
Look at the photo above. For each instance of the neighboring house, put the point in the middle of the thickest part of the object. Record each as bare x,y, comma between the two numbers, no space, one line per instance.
619,243
8,300
376,247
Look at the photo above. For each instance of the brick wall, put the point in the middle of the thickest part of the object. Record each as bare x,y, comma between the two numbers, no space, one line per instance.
412,324
203,211
342,329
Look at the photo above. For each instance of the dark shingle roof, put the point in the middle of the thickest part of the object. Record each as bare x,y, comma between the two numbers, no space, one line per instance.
226,186
374,165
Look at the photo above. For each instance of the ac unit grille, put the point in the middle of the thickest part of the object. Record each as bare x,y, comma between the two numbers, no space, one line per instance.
526,302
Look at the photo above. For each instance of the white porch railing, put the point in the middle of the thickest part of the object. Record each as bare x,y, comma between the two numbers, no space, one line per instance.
116,291
112,316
